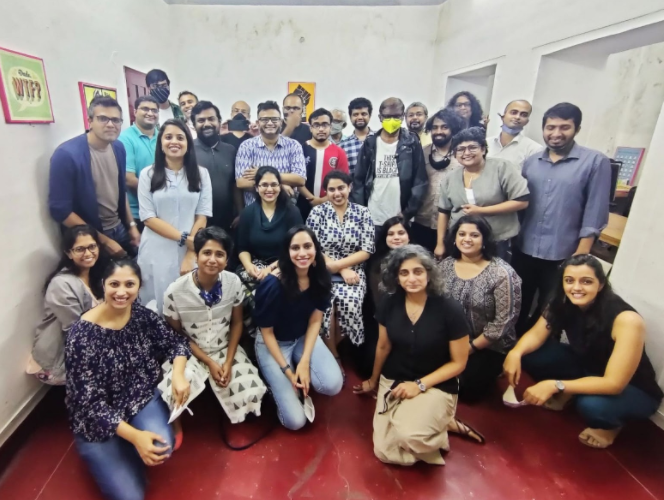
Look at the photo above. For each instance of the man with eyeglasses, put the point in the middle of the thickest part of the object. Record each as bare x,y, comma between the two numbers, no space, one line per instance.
293,126
387,183
187,101
140,141
360,110
339,122
87,181
321,157
417,115
160,88
269,149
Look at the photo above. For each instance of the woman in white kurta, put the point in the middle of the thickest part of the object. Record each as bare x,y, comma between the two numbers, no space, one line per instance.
206,305
175,200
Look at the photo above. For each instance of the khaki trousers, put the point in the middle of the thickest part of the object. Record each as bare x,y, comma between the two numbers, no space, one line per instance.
412,429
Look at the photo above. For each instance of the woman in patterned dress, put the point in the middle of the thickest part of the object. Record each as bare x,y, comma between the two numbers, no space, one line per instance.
346,234
489,290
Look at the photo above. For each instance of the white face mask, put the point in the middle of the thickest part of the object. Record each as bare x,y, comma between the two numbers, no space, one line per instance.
336,128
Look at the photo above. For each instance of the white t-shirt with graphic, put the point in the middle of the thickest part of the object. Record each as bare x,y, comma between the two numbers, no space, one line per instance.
385,199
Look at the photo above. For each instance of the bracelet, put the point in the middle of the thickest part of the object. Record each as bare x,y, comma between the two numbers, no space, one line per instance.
183,238
284,369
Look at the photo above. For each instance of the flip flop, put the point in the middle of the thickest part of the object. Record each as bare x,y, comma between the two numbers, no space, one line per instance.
464,431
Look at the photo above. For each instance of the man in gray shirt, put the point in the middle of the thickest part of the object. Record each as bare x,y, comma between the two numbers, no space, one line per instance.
219,158
569,206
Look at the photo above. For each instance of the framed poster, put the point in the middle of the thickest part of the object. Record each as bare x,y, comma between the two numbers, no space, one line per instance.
88,92
307,91
23,88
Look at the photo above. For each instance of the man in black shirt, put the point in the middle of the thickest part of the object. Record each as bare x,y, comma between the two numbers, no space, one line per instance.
238,125
293,125
219,158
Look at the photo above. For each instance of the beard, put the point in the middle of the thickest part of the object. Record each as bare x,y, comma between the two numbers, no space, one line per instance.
441,141
362,126
415,127
209,139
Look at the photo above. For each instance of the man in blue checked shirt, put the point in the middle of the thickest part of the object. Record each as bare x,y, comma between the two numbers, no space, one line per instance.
271,149
360,110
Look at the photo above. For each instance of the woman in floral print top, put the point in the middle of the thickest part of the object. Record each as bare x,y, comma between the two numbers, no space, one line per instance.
113,357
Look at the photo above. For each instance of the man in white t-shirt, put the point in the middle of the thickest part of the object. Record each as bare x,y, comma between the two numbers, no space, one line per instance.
390,177
511,144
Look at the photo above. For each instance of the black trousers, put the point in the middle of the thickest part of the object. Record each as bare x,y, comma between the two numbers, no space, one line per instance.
479,377
538,279
424,236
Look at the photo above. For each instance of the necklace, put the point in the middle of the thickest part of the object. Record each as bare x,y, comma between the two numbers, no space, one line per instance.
470,176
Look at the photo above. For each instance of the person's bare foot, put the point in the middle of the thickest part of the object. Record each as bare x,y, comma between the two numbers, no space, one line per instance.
557,402
599,438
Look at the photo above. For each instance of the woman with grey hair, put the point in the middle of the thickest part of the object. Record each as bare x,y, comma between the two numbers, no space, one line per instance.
422,349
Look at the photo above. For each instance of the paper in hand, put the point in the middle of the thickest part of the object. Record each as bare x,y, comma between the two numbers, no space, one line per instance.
510,399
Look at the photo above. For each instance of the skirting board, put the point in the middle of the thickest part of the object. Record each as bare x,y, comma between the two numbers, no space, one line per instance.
22,413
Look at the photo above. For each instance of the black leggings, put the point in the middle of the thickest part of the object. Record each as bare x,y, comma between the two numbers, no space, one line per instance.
479,377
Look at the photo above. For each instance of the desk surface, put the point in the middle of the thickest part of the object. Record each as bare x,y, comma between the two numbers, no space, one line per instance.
613,232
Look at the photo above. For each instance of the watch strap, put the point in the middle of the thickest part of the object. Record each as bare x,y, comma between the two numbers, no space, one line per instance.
284,369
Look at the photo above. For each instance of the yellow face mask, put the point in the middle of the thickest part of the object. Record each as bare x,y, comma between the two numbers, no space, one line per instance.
391,125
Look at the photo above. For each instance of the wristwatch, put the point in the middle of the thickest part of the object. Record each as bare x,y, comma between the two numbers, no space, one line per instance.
421,386
284,369
133,224
559,385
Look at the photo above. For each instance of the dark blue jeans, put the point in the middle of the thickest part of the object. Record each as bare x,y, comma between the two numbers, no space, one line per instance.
115,464
121,236
556,361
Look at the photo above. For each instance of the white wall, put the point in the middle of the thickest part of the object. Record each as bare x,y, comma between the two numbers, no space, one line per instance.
231,53
77,43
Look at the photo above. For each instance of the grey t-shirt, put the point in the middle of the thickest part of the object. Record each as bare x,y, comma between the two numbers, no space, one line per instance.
500,181
104,168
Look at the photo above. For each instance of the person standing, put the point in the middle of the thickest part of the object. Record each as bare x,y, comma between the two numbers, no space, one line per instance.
439,163
390,178
187,101
569,206
511,144
160,88
360,110
219,159
239,125
175,200
87,181
293,126
269,149
140,141
468,108
417,115
339,122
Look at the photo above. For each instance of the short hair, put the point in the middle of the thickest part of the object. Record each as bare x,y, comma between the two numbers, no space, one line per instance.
186,92
201,106
418,104
293,94
264,106
391,101
213,233
488,241
564,111
394,260
381,235
145,98
518,100
155,76
104,102
449,117
475,134
359,103
337,174
343,114
476,113
318,113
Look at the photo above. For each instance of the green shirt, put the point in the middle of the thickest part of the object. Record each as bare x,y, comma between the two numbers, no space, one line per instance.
140,154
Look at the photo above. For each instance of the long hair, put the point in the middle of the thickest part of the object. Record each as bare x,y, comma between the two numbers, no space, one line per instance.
477,115
390,271
597,318
488,241
190,164
122,262
282,197
320,281
381,238
69,237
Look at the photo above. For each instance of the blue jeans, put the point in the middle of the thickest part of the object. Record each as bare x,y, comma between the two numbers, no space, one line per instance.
326,376
556,361
115,464
120,235
504,250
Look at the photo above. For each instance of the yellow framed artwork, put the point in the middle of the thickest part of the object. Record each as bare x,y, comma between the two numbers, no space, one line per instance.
306,90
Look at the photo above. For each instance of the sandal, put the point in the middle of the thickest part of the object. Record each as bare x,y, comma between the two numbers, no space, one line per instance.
466,431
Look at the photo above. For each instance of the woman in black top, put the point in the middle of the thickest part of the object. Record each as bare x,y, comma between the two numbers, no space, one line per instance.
604,365
422,349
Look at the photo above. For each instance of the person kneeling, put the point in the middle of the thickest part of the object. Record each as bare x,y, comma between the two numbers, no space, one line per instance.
206,305
289,311
604,366
422,349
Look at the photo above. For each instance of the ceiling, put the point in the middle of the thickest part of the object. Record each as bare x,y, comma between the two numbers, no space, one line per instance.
308,2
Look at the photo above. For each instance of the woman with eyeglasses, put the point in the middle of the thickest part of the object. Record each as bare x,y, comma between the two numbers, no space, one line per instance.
490,187
72,289
468,108
175,200
422,349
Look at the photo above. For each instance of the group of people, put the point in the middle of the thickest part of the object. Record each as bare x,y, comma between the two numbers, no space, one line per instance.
447,258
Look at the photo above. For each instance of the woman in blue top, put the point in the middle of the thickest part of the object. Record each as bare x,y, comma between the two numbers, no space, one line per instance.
289,311
175,200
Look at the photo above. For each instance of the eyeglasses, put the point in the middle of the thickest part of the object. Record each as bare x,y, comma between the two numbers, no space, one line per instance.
470,149
292,108
462,105
92,248
160,86
265,185
149,110
269,120
105,119
316,126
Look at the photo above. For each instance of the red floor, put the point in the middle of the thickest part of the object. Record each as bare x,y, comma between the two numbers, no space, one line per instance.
531,454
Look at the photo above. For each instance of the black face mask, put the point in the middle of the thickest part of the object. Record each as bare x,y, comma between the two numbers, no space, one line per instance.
238,124
440,164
